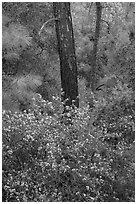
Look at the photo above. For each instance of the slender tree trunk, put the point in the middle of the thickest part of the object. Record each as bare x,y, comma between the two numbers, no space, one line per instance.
66,48
92,72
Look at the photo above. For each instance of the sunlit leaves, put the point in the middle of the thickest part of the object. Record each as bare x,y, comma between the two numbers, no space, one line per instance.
15,38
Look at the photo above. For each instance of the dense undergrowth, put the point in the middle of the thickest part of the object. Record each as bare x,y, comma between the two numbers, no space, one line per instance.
46,158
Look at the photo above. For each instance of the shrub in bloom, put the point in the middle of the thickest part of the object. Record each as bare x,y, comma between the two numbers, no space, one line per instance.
46,159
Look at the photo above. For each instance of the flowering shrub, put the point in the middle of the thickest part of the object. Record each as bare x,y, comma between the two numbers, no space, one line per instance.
46,159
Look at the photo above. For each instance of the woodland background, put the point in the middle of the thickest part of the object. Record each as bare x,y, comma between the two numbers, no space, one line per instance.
45,157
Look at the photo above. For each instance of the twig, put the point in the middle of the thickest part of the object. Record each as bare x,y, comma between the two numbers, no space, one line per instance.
52,19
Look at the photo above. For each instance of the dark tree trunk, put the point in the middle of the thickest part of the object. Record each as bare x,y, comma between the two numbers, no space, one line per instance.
92,72
66,48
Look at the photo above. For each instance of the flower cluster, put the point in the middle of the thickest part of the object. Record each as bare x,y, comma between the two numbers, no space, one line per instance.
46,159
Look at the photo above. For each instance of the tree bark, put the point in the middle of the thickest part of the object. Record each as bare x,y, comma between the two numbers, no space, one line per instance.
92,72
66,49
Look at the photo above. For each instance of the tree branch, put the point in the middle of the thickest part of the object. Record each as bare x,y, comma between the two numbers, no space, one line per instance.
52,19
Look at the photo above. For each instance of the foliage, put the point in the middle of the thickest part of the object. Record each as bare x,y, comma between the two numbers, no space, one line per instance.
15,38
19,91
116,115
87,155
116,51
24,57
116,46
45,159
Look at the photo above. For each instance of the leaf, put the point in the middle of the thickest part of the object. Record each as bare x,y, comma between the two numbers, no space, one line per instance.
11,55
29,82
15,38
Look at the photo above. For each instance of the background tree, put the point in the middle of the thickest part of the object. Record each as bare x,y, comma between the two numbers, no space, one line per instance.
66,48
113,40
115,54
92,73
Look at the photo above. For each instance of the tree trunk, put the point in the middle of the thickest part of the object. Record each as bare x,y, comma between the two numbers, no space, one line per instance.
66,49
92,72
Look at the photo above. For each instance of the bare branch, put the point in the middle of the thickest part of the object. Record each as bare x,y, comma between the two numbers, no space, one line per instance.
52,19
105,21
